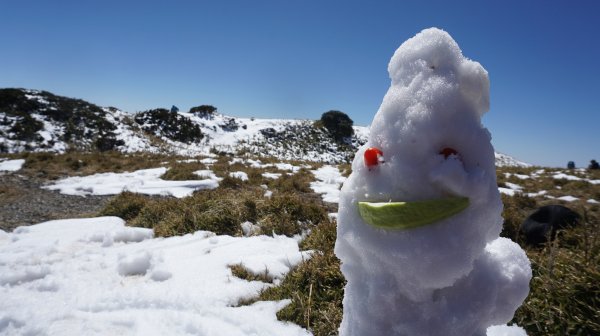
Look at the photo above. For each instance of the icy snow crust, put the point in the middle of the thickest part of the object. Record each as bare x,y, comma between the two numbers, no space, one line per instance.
454,277
98,277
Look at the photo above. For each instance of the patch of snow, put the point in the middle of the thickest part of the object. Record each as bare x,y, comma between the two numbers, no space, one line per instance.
593,201
55,280
513,186
287,166
11,165
519,176
568,198
208,161
507,191
145,181
564,176
329,181
239,175
539,193
273,176
207,174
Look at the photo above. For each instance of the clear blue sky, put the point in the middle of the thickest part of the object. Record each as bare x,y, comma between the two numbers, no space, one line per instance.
298,59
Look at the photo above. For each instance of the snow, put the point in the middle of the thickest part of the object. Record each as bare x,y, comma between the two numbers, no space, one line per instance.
568,198
58,278
519,176
145,181
503,160
208,161
593,201
539,193
287,166
511,189
329,181
563,176
133,141
272,176
507,191
11,165
239,175
452,277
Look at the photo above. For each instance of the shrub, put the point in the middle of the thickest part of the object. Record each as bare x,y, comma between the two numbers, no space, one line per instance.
217,215
26,128
240,271
316,286
204,111
290,214
182,172
298,182
338,124
171,125
126,205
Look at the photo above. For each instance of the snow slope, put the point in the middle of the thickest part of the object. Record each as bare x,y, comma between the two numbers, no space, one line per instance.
98,277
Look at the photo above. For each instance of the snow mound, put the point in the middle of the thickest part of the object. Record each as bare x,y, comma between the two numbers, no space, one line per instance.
59,278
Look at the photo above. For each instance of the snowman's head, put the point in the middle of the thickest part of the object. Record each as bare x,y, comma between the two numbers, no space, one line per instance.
431,147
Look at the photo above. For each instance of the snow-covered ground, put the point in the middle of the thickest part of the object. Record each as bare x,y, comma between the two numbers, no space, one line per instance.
145,181
98,277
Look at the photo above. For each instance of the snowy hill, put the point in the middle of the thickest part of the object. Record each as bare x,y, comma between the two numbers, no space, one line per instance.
503,160
32,120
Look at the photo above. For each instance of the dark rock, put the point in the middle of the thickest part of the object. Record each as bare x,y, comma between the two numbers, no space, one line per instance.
542,225
268,132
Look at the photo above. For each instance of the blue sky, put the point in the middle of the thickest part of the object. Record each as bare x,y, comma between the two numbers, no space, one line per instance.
298,59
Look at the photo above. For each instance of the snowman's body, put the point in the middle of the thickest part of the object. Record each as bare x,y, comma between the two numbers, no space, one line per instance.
454,276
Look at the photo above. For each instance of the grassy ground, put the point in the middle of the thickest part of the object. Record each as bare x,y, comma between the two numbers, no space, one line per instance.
565,289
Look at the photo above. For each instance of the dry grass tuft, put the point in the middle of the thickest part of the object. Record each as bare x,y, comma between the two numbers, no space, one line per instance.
240,271
316,286
126,205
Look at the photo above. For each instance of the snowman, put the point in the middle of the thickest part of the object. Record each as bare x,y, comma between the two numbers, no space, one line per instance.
420,215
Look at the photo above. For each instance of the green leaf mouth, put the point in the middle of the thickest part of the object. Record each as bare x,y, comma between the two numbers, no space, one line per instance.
409,215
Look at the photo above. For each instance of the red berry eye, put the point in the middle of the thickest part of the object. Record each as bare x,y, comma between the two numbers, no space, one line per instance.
373,156
448,151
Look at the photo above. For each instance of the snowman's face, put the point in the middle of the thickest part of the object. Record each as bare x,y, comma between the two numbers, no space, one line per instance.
426,206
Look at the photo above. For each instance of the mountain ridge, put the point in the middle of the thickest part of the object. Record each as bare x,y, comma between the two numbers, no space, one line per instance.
36,120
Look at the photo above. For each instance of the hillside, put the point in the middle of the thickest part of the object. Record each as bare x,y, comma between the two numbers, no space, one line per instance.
39,121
